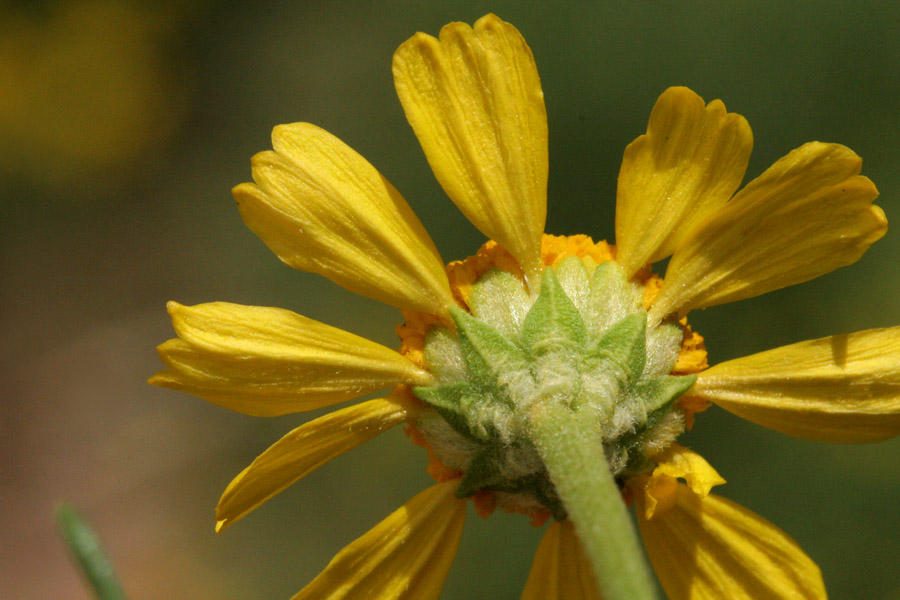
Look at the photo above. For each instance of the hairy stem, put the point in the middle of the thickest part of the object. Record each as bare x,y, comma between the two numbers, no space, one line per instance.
572,450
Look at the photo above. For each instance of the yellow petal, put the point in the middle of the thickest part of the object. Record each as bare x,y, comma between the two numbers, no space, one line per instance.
323,208
405,556
270,361
304,450
808,214
689,163
474,100
677,462
560,570
843,388
708,548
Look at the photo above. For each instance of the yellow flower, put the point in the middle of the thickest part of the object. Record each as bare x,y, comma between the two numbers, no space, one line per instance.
475,103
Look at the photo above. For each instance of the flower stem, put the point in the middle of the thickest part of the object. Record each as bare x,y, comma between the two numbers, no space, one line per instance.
572,450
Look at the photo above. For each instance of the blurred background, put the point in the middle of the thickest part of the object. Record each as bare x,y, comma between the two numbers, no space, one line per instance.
123,126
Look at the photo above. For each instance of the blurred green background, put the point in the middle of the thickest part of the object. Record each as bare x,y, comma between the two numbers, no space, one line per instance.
123,125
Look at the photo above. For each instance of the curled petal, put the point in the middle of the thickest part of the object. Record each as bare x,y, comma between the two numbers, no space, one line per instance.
270,361
560,570
677,462
708,548
405,556
475,103
842,388
689,163
304,450
321,207
808,214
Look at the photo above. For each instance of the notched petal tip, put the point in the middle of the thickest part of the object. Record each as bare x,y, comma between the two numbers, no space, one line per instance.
491,24
242,189
474,100
681,94
420,44
456,29
491,20
260,163
168,349
282,133
688,163
321,207
808,214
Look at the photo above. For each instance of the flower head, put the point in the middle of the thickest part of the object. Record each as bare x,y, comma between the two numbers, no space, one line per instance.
540,355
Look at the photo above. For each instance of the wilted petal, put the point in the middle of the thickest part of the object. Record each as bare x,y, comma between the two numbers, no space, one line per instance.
677,462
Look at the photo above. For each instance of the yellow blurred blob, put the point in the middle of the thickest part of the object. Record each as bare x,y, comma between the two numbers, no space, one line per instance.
84,88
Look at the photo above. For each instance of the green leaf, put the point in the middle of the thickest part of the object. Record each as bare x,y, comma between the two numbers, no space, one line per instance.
658,394
485,473
553,321
449,401
488,353
84,545
482,473
625,344
663,345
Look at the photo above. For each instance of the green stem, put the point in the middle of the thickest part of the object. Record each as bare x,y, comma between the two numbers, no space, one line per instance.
572,450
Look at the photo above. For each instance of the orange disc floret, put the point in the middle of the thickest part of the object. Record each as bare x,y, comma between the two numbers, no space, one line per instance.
554,248
652,284
463,274
692,357
412,332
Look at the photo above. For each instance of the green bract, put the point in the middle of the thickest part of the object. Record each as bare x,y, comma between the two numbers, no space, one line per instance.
583,342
